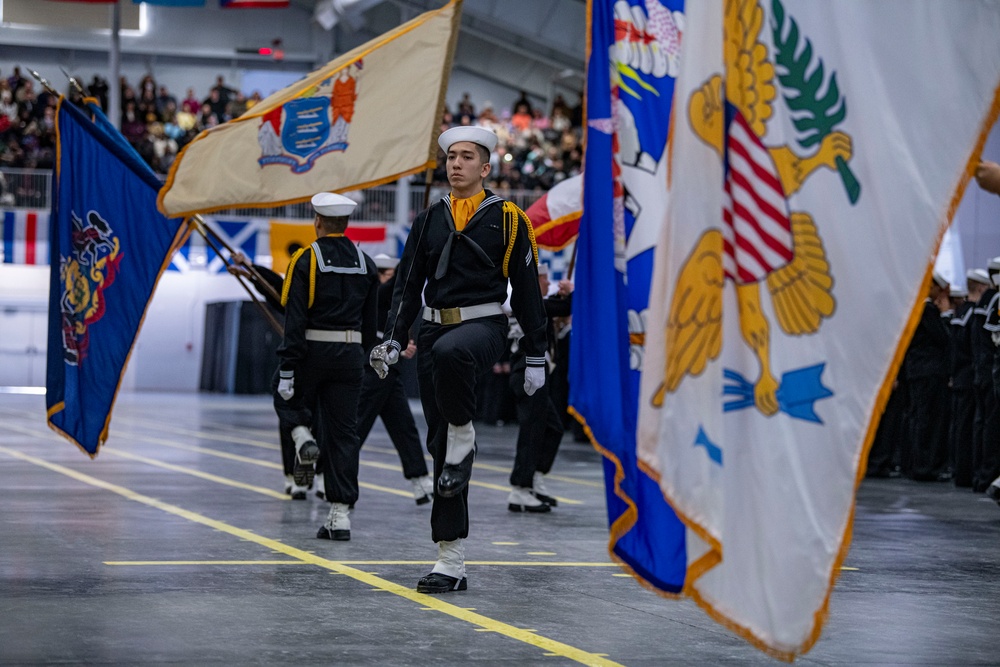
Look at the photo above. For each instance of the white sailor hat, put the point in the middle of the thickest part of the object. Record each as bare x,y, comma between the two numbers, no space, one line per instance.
383,261
993,264
333,205
477,135
939,280
978,276
958,292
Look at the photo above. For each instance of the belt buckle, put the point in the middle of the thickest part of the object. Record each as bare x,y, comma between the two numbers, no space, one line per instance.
451,316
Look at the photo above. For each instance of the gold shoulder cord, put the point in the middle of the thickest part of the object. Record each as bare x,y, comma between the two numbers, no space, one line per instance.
287,284
511,215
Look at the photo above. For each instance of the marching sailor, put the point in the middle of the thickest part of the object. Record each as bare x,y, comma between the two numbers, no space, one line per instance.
330,297
466,248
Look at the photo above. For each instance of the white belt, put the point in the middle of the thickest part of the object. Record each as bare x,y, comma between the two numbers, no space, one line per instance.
457,315
323,336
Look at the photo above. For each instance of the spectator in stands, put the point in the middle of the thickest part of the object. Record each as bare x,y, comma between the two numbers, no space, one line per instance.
466,107
190,103
163,101
133,126
98,89
237,106
225,92
521,120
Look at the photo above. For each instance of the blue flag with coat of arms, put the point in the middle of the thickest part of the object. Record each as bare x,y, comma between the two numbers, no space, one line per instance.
109,244
632,64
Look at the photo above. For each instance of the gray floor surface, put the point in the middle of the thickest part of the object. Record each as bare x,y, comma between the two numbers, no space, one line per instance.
176,546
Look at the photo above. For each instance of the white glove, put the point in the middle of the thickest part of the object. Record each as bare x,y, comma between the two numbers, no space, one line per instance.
383,356
286,388
534,379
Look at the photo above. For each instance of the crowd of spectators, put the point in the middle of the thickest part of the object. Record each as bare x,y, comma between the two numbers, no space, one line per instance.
536,149
152,119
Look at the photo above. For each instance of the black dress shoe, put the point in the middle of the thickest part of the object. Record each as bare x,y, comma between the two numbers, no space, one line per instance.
435,582
548,500
454,478
325,533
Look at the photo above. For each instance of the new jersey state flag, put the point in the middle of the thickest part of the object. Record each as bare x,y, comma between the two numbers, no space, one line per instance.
368,117
108,246
816,164
632,62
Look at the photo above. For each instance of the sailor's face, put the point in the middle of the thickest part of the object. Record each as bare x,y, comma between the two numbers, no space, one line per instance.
465,166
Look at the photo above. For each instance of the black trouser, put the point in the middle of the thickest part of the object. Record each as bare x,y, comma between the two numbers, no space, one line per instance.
928,426
328,397
387,399
986,438
286,416
451,360
886,450
540,430
963,412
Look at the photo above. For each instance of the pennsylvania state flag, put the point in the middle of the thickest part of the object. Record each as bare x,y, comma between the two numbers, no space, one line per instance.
632,64
109,246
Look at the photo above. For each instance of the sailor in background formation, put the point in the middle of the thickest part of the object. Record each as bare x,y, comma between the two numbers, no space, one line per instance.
540,425
330,298
387,398
460,253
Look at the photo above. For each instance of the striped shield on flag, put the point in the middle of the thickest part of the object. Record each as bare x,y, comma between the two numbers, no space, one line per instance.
757,235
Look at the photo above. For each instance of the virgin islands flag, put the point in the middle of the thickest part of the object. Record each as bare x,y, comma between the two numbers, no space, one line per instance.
108,245
632,61
819,151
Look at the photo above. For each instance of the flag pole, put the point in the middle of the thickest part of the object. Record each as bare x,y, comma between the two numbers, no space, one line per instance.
257,278
201,229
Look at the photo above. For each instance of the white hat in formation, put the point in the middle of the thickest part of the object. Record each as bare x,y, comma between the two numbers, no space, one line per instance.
939,280
332,205
477,135
978,276
958,292
993,264
383,261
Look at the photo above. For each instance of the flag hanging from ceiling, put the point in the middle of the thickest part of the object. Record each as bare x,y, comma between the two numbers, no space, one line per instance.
816,165
556,216
26,237
249,4
368,117
171,3
632,62
108,245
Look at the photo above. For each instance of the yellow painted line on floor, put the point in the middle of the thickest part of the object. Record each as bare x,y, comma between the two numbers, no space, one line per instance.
208,476
139,435
204,435
197,473
848,569
505,544
142,563
541,553
544,643
252,461
477,563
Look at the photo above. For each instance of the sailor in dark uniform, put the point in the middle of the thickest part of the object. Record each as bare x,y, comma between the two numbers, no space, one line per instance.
540,424
465,248
989,469
330,297
927,371
387,399
963,385
986,426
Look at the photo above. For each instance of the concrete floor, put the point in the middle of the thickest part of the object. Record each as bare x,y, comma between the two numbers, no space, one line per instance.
177,546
